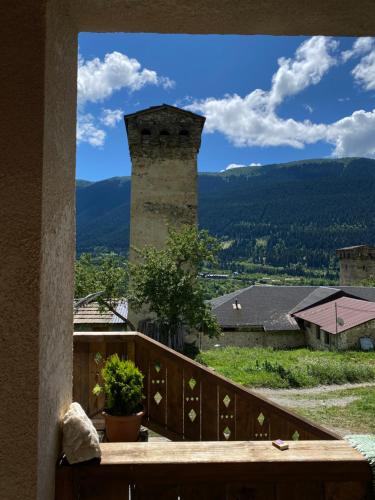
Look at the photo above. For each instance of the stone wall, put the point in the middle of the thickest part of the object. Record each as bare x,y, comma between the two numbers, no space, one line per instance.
341,341
276,340
356,265
350,338
163,144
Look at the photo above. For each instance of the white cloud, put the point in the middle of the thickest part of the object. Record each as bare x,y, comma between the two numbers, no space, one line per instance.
360,46
353,135
312,60
308,108
88,132
98,80
252,120
110,117
364,72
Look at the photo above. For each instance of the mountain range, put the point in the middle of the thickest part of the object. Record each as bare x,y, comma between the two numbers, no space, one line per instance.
286,214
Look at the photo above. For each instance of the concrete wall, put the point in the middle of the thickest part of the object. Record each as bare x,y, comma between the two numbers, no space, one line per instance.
276,340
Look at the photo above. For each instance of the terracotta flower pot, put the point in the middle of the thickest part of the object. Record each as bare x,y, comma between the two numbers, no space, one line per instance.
124,428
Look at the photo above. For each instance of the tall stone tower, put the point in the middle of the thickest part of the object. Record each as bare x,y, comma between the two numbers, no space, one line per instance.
164,142
357,264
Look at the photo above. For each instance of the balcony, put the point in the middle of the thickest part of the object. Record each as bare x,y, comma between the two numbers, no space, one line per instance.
221,437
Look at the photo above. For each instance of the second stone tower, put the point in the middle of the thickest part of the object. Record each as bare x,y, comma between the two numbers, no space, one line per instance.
164,142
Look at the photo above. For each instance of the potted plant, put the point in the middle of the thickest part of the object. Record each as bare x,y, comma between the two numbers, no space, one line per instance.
123,390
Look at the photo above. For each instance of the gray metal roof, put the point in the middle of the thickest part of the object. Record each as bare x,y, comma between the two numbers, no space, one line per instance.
91,313
270,306
318,295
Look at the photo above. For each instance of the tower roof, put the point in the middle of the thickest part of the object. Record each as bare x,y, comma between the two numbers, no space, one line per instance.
160,107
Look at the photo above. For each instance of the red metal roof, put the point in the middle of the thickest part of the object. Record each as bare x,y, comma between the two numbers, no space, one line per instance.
339,315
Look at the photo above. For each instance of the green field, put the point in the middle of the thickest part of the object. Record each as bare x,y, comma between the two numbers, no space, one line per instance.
355,417
259,367
349,410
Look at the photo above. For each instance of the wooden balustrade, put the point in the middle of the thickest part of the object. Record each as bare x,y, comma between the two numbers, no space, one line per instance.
309,470
185,400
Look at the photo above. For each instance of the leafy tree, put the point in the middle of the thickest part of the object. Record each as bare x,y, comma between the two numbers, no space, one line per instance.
166,282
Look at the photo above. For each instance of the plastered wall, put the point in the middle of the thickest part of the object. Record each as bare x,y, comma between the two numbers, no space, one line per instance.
38,45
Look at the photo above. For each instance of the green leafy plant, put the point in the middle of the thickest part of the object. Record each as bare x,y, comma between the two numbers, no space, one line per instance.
122,386
166,282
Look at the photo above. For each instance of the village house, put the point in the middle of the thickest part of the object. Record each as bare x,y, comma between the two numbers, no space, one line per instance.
294,316
94,318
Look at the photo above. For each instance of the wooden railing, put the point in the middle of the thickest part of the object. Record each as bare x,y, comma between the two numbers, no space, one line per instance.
309,470
185,400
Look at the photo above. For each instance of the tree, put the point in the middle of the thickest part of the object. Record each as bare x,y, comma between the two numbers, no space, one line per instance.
105,275
166,282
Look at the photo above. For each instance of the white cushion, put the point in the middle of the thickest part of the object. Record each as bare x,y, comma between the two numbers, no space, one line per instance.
80,438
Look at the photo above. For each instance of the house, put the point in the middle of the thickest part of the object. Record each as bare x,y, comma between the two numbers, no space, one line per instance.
274,316
92,317
338,324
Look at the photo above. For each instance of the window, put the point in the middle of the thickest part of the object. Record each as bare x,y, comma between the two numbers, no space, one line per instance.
317,331
326,338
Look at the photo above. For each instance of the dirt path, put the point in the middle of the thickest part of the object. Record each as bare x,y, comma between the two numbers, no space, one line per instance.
284,397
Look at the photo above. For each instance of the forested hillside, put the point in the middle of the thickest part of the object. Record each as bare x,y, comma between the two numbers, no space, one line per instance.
287,214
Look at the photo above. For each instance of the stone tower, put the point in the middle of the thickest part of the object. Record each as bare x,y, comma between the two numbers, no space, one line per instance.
357,264
164,142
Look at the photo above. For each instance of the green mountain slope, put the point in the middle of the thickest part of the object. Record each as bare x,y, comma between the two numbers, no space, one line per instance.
282,214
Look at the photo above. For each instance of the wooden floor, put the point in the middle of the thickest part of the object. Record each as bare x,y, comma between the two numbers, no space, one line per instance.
309,470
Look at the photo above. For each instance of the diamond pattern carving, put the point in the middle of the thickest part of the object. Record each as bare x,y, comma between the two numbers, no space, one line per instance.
192,415
295,436
192,383
226,401
226,432
261,418
158,397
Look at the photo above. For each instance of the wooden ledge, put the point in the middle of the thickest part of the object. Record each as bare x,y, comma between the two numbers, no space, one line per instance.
226,452
309,470
172,462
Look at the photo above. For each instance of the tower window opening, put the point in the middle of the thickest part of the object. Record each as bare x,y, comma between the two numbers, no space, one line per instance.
164,132
145,131
184,133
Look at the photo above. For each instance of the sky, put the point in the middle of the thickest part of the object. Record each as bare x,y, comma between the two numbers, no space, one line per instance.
267,99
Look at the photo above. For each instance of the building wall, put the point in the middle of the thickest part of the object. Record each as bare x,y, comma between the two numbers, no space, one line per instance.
276,340
341,341
350,338
356,265
164,175
37,235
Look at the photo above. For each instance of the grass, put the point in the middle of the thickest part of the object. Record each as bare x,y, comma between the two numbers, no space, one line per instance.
261,367
356,417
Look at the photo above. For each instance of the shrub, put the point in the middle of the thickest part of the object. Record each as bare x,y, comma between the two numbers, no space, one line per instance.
122,386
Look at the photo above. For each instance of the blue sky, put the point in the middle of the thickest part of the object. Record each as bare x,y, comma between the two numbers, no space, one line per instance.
267,99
